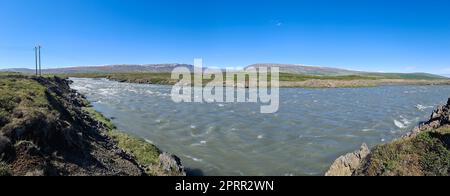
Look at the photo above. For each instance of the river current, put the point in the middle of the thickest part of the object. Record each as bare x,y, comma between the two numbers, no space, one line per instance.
311,129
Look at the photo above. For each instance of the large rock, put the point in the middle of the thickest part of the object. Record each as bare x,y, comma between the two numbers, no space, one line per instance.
5,146
439,118
348,164
171,164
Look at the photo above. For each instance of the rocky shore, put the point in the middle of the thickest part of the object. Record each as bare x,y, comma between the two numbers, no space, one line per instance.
422,152
46,130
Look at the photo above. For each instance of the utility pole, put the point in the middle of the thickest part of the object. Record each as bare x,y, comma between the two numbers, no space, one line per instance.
39,51
36,58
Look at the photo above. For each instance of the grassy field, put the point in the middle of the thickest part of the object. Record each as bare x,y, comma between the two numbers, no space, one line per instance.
288,80
20,92
167,76
298,77
158,77
405,76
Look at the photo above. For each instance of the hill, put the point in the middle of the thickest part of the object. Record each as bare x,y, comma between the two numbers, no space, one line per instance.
284,68
307,70
327,71
152,68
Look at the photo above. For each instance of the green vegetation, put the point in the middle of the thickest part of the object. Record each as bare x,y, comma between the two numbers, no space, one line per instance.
23,101
299,77
38,106
165,78
4,169
151,78
427,154
145,153
100,118
405,76
20,93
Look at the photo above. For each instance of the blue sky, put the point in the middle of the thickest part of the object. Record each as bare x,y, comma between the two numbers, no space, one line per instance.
372,35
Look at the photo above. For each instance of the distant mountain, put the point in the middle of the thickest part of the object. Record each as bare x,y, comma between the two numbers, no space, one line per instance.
19,70
327,71
284,68
157,68
308,70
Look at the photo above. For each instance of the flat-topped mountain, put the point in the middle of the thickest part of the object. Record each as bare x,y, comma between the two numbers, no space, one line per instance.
328,71
307,70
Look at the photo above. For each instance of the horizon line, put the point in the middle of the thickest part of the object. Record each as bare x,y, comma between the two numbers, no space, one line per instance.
239,67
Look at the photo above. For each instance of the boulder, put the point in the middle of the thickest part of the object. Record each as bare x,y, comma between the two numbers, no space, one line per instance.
348,164
5,146
171,164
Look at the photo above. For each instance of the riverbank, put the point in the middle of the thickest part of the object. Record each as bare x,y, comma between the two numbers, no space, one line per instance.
425,151
47,129
286,80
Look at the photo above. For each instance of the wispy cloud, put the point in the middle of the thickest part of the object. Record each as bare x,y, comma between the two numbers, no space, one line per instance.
277,23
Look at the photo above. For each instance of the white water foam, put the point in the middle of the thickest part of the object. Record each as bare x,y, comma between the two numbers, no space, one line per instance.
422,107
193,158
405,121
202,143
149,141
400,124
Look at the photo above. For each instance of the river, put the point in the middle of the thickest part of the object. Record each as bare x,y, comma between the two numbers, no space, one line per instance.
311,129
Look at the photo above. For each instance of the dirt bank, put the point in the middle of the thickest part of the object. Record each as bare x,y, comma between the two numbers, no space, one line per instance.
45,130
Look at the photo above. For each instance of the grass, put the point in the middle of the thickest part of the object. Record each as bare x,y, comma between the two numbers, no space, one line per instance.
22,100
158,77
100,118
21,93
5,170
427,154
22,97
406,76
298,77
165,78
146,154
152,78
